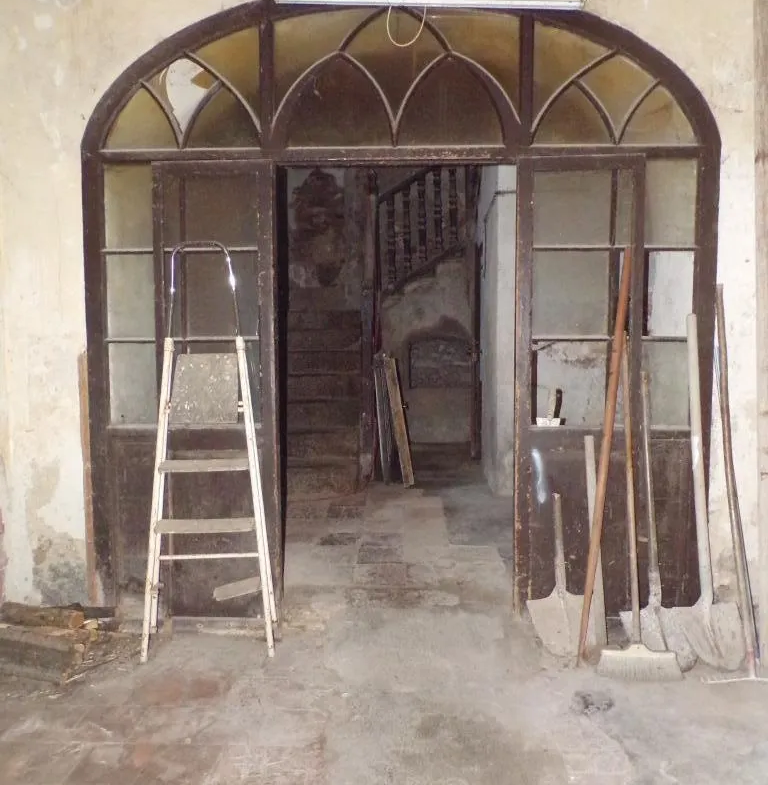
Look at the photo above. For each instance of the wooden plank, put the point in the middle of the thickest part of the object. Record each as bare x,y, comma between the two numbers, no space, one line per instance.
383,418
85,444
34,616
398,420
237,589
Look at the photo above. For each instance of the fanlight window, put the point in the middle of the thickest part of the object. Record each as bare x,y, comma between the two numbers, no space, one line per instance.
342,81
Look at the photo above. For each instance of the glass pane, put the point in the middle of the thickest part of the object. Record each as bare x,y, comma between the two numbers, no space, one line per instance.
209,299
558,55
236,58
617,83
340,107
571,120
578,369
141,124
491,40
670,206
570,292
659,120
130,296
128,206
670,292
451,106
183,84
223,208
132,383
395,68
668,380
224,123
572,208
301,41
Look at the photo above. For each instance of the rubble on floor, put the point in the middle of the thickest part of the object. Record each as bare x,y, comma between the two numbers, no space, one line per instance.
59,644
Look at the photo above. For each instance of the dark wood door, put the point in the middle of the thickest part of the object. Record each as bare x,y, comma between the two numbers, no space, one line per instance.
576,217
233,203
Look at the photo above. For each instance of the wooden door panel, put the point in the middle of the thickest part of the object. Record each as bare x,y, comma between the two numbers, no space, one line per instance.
230,202
580,242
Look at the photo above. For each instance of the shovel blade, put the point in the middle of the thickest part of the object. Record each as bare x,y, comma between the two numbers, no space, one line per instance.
552,619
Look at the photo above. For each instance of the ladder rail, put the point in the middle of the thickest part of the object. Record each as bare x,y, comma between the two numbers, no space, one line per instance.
265,566
165,465
201,245
151,588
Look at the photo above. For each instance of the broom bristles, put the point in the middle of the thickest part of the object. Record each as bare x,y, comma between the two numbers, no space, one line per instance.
639,663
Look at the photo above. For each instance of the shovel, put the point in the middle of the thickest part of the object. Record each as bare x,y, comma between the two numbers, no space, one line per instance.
659,630
556,618
713,630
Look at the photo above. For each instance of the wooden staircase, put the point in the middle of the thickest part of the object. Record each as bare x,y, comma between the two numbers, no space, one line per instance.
323,410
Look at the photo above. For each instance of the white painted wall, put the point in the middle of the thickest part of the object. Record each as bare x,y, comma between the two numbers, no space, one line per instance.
497,231
60,56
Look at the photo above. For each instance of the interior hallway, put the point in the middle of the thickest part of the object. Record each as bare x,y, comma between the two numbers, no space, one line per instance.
400,662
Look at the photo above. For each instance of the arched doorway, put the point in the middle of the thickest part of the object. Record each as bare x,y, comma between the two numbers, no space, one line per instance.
189,139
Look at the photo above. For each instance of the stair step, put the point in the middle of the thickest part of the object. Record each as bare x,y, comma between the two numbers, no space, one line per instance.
324,340
309,415
199,466
329,387
323,363
317,298
205,525
320,461
230,591
313,444
318,482
323,320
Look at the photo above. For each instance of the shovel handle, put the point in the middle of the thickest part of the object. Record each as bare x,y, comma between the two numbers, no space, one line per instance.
629,471
697,461
654,576
737,531
560,578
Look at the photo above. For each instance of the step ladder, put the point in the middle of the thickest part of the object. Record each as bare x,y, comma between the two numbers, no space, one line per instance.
198,391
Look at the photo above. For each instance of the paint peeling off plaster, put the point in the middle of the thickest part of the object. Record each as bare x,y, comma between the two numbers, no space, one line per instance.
58,76
59,567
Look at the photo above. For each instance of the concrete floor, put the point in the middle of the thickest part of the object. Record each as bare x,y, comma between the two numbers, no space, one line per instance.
400,663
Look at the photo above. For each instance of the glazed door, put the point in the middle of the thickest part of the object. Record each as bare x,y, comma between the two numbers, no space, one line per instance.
232,203
577,216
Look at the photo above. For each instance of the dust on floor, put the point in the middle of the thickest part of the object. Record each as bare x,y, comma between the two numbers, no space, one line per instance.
400,663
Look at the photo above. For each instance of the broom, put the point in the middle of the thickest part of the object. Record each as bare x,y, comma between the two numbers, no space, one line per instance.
637,662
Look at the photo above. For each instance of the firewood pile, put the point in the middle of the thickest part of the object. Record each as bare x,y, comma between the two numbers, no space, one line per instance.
58,644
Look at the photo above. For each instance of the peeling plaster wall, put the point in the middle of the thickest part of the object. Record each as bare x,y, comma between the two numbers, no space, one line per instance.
430,306
62,55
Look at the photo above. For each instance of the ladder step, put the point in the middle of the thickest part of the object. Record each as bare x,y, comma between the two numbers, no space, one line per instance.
208,556
202,465
229,591
205,525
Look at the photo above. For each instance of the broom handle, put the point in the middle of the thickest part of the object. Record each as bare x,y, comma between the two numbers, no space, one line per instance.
654,576
617,349
629,472
737,532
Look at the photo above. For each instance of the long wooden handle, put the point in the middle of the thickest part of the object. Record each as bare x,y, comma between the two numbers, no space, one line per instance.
737,531
629,471
617,349
654,575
